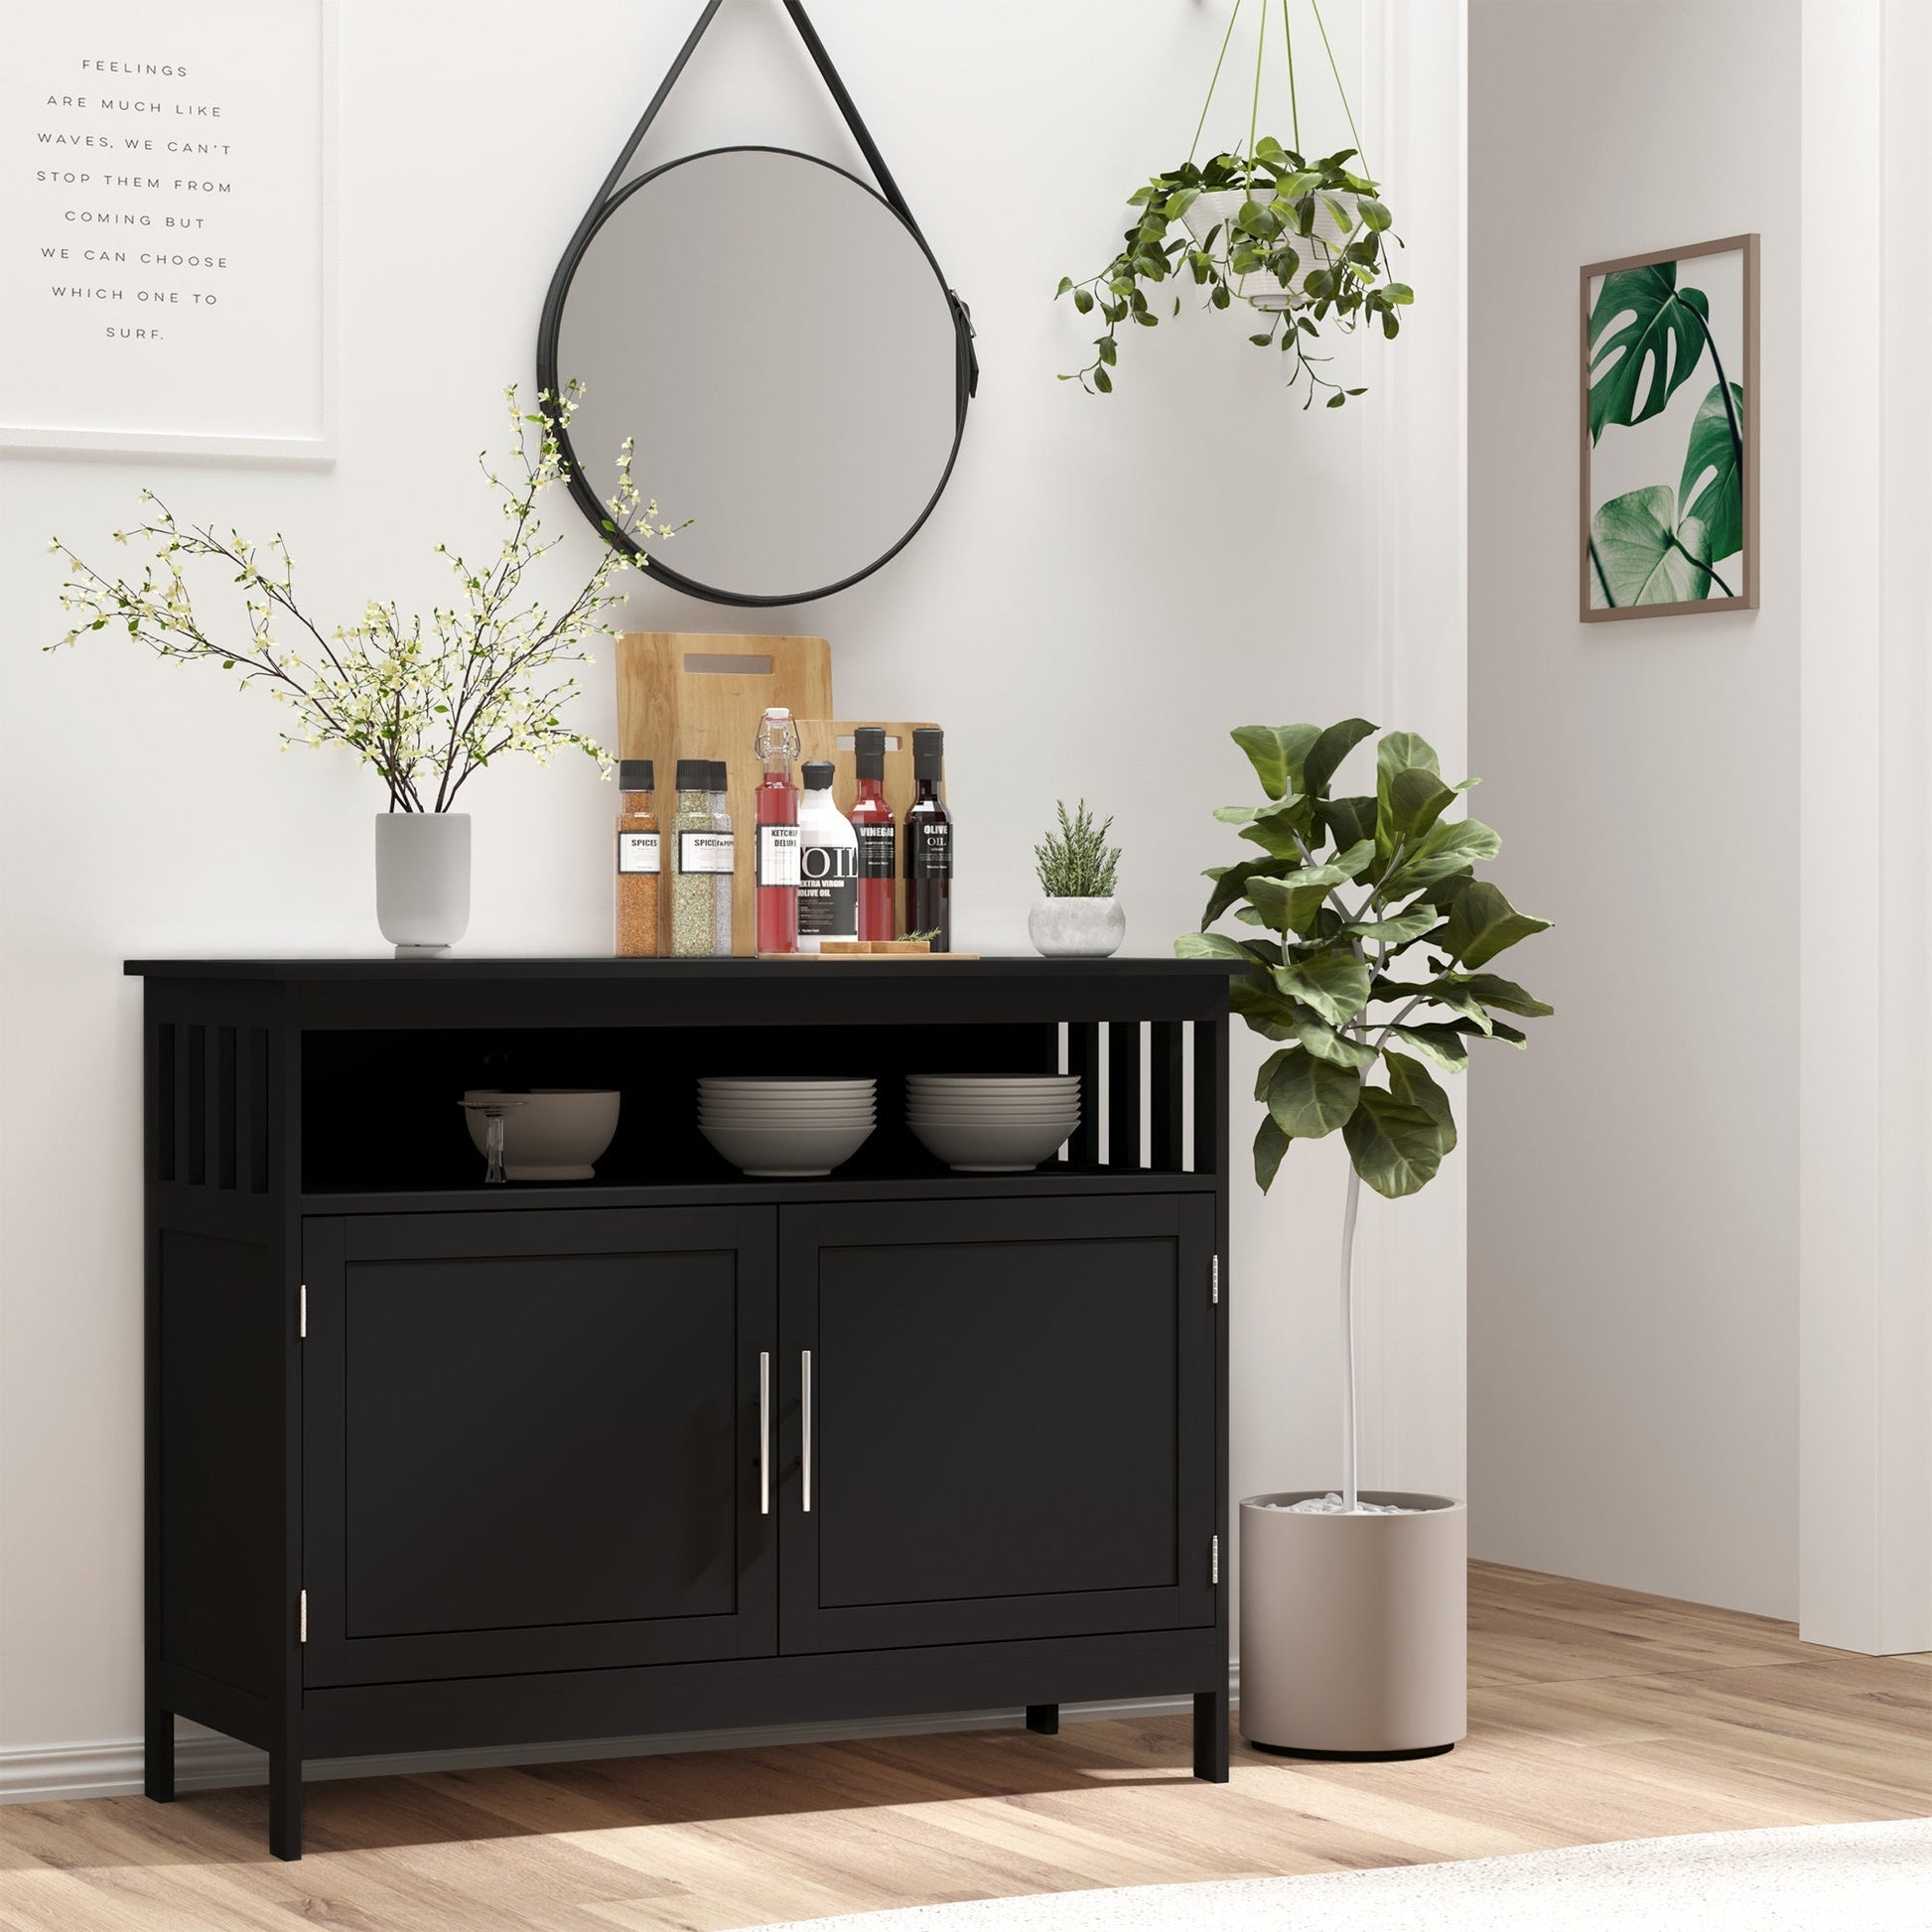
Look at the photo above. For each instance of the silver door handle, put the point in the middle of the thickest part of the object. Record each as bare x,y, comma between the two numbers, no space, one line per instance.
764,1432
805,1423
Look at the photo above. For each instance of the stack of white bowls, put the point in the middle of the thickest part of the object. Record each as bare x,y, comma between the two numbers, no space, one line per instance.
783,1127
993,1123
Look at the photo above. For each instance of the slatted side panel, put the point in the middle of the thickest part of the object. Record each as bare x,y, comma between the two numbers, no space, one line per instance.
210,1101
1140,1094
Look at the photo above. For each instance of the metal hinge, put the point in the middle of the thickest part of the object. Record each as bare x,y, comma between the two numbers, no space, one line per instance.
1215,1560
302,1617
1214,1281
302,1313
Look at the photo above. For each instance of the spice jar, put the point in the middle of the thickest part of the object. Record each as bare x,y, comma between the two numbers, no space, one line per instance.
639,862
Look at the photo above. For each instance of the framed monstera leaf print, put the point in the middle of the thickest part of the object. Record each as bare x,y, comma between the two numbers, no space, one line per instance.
1670,433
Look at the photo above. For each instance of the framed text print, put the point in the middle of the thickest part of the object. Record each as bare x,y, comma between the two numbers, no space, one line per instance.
167,213
1670,433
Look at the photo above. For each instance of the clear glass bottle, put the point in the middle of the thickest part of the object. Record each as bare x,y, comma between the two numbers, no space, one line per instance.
928,844
698,855
639,862
777,814
726,880
828,864
872,819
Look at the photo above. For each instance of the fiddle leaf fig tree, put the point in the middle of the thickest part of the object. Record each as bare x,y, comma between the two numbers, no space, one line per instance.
1366,952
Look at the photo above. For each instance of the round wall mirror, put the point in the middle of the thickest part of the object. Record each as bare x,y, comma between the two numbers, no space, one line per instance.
781,349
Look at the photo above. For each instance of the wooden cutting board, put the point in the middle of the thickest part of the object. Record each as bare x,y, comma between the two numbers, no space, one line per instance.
698,695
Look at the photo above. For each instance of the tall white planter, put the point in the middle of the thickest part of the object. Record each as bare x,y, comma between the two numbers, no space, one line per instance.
1354,1629
422,880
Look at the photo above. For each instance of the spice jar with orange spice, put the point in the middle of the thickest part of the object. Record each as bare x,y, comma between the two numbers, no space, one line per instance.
640,861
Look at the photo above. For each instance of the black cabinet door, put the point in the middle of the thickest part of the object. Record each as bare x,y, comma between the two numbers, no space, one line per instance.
532,1440
1000,1420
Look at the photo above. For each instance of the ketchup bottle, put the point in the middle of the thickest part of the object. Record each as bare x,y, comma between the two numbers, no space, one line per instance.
778,834
872,819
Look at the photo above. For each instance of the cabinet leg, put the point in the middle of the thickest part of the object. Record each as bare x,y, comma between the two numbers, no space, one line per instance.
1211,1735
1044,1718
285,1804
158,1755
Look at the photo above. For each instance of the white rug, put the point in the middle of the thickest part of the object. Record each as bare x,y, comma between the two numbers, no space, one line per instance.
1813,1878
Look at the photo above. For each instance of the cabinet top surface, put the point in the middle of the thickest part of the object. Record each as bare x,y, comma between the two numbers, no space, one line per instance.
589,967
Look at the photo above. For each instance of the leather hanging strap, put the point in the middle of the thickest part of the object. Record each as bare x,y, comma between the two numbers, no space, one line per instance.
888,189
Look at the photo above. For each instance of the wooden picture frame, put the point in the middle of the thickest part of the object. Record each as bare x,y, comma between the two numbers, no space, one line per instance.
1639,549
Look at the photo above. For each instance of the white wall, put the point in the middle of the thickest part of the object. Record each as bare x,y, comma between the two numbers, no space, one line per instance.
1107,587
1632,1190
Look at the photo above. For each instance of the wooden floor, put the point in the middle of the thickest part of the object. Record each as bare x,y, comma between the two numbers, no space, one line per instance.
1596,1713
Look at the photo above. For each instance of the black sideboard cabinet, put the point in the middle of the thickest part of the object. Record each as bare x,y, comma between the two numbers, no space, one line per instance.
432,1464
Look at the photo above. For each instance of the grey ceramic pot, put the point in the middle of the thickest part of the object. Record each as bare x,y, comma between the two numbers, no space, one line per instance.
1076,928
1354,1629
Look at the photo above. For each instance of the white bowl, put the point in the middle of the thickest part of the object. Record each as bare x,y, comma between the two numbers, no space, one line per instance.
779,1152
804,1124
996,1082
785,1116
998,1109
1005,1148
734,1084
786,1109
554,1134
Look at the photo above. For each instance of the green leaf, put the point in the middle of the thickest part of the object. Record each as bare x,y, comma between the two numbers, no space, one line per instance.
1402,752
1284,830
1494,991
1348,821
1236,814
1323,1040
1443,1043
1408,804
1065,287
1103,383
1653,350
1308,1097
1275,751
1083,302
1450,847
1399,930
1270,1144
1288,909
1712,488
1637,557
1328,750
1398,1137
1209,945
1230,884
1483,923
1334,983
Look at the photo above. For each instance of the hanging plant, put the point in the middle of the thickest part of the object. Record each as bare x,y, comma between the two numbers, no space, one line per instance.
1302,243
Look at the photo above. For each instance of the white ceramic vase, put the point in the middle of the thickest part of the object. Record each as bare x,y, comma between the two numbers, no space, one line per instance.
1076,928
422,880
1354,1629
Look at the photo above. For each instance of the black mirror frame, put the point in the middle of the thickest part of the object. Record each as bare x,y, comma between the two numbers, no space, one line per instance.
611,197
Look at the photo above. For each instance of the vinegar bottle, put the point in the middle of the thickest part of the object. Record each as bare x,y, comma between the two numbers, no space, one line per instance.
872,819
778,834
928,844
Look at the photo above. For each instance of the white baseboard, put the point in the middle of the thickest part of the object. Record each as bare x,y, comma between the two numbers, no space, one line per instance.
205,1760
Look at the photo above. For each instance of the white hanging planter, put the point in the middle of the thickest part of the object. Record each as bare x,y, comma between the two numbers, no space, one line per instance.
1337,222
422,880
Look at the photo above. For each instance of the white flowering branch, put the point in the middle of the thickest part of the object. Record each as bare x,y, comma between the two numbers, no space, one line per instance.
427,711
